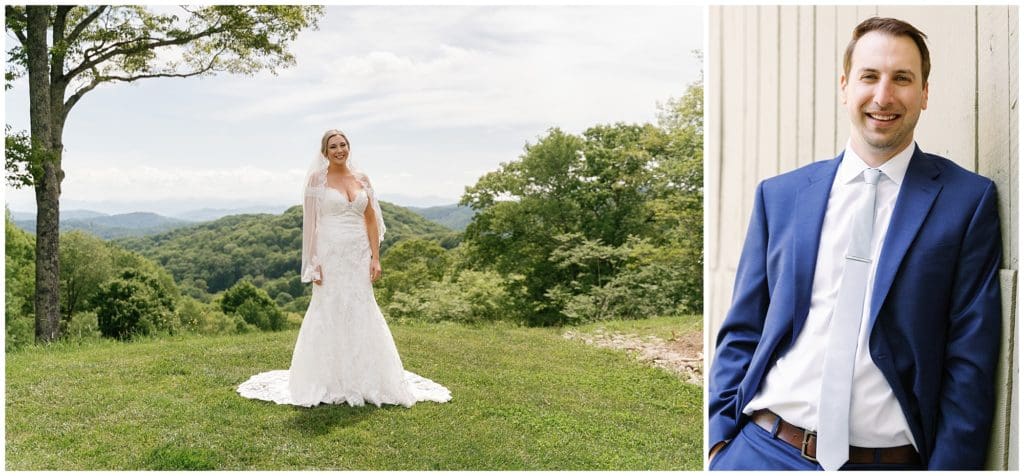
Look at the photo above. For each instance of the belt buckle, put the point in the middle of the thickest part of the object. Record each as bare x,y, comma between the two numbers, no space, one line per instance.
803,446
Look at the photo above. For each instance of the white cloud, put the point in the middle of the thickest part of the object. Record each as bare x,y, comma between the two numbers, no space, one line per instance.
158,183
432,97
500,66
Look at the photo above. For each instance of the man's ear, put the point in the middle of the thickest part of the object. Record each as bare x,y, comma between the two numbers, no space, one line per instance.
842,89
924,100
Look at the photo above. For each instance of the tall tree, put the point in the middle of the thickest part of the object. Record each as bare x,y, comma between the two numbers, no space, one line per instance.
93,45
613,212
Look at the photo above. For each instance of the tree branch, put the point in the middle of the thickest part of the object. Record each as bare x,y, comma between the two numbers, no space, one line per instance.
98,78
104,48
80,27
59,50
71,101
88,64
128,79
20,34
60,18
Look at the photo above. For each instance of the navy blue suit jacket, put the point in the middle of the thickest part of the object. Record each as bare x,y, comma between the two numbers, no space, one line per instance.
935,316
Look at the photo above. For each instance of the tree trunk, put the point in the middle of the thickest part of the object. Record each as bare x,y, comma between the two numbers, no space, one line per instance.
47,184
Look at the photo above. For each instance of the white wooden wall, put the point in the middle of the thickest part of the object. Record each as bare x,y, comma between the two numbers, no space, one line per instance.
772,105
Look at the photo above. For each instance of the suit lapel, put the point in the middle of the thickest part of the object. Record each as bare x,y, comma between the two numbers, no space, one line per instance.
912,206
809,210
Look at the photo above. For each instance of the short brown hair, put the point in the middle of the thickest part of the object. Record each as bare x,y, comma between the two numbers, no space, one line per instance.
891,27
327,136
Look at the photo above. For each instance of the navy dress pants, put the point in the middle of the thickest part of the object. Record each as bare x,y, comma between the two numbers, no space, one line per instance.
756,449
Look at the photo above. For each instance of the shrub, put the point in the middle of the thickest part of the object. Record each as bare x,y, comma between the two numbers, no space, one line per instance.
215,322
264,317
20,325
473,297
253,305
283,298
21,331
208,319
83,325
134,304
298,305
631,281
190,314
410,264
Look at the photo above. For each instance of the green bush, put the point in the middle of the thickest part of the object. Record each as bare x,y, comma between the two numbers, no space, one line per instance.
134,304
208,319
215,322
283,298
632,281
473,297
262,316
298,305
408,265
190,314
20,271
83,325
21,331
253,305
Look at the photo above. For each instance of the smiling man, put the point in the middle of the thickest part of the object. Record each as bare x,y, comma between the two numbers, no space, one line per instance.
865,323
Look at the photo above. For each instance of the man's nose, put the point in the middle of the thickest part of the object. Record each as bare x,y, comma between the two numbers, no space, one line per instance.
883,94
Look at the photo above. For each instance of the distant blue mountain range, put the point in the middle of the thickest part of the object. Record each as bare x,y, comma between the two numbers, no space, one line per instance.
108,226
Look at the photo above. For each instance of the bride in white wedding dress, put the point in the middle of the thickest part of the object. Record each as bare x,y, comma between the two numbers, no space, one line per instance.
345,351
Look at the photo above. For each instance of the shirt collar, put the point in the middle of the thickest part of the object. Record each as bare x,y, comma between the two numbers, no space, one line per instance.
852,167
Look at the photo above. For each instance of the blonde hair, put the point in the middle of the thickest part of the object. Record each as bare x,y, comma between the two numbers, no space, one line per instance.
327,136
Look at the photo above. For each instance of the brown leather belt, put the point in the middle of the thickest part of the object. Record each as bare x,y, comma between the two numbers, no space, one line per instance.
806,442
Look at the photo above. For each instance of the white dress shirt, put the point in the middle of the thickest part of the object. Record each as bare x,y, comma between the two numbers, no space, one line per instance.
792,386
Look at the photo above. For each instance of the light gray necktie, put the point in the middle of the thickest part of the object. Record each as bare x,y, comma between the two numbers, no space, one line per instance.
833,445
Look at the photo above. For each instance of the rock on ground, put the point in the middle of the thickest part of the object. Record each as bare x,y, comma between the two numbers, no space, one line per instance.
682,354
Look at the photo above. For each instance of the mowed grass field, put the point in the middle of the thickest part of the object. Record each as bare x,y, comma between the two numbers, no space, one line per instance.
523,398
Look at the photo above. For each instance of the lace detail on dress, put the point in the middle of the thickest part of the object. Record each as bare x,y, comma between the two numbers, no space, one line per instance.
272,386
344,351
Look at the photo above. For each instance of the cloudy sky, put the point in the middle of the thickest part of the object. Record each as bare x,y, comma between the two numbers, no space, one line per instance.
430,97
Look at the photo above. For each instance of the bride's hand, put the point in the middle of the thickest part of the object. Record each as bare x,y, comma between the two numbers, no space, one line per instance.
318,281
375,271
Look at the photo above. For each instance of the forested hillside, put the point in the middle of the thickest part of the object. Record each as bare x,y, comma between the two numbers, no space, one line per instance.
455,217
267,249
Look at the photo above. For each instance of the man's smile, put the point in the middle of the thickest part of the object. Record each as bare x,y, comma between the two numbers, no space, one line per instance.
882,117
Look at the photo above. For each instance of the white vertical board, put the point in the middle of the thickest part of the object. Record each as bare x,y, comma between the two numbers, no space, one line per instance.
767,93
948,126
787,110
806,66
826,84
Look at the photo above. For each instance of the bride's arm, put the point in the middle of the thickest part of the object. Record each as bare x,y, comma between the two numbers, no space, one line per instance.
374,226
310,210
373,234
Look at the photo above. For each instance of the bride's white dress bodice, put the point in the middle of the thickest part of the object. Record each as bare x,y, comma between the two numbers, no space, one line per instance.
342,239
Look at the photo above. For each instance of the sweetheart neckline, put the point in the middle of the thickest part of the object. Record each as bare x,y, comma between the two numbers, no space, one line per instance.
345,195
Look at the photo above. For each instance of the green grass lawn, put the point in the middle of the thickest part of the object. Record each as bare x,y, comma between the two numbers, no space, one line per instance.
522,399
662,327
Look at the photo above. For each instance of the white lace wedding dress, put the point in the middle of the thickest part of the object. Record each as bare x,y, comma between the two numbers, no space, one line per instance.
345,351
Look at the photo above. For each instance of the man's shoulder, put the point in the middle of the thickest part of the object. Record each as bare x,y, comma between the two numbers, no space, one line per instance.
952,173
802,176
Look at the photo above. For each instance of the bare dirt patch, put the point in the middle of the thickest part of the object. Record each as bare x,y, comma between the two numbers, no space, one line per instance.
682,354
